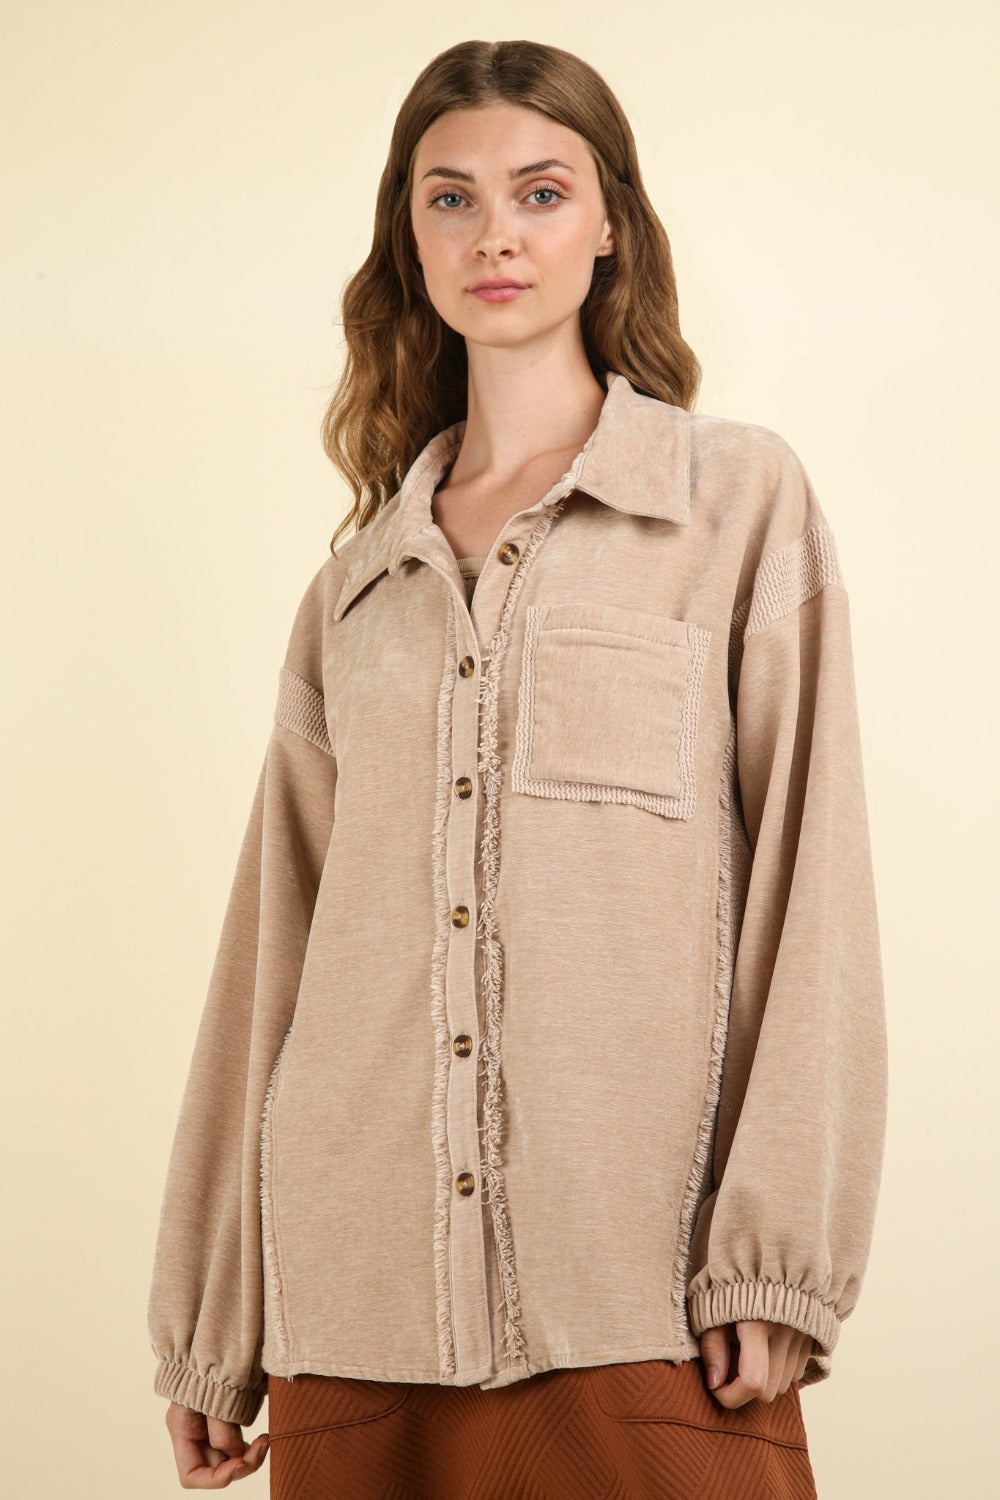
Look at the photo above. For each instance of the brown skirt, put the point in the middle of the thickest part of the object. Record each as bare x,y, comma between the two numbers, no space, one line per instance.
602,1432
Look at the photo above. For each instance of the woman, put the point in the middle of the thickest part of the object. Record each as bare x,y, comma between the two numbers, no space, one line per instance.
534,1127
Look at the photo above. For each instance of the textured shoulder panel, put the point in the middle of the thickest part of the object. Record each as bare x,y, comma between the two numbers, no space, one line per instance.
300,708
791,575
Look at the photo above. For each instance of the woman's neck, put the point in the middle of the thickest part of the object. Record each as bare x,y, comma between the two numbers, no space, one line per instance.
519,412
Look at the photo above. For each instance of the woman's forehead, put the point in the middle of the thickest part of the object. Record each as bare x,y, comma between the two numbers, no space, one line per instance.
499,138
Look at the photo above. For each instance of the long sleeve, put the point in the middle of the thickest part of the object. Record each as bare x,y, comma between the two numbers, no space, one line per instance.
785,1232
205,1303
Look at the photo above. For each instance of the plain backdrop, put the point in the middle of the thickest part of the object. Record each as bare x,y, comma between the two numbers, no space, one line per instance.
186,189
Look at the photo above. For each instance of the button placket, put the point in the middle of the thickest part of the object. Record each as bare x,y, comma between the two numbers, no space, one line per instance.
509,1336
467,1246
477,1301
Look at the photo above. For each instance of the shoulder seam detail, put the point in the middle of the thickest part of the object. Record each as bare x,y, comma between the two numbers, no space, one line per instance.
789,576
301,709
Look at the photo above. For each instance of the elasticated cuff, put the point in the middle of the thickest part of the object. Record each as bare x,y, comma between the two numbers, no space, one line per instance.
744,1301
188,1388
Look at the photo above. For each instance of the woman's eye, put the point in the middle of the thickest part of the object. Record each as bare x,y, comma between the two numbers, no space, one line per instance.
553,193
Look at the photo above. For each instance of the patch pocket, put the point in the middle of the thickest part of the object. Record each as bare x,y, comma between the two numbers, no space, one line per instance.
608,706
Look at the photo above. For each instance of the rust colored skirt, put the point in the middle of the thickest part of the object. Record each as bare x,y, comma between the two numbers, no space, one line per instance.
604,1432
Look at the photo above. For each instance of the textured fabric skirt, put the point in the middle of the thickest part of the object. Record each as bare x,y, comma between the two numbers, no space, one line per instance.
644,1431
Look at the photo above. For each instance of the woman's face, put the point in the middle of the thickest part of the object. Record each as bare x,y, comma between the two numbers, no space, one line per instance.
504,192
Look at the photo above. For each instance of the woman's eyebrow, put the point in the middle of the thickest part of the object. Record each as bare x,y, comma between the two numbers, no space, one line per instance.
528,171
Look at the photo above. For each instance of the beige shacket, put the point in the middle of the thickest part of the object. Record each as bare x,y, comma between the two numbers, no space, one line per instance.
546,1025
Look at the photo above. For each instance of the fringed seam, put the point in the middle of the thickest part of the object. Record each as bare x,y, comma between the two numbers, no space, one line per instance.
489,767
731,896
269,1238
300,707
439,1011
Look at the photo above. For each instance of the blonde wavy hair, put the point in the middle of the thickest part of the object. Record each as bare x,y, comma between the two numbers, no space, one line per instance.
405,376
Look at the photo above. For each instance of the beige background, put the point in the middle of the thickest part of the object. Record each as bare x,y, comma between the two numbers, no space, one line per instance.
187,186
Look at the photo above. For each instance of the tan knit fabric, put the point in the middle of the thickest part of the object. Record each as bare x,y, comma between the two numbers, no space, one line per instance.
470,569
546,1026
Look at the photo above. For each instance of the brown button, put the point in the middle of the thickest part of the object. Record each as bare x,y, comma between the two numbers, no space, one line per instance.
460,916
466,1184
462,1045
508,553
463,787
467,666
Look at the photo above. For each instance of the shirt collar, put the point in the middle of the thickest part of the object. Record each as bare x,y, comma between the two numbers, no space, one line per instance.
637,459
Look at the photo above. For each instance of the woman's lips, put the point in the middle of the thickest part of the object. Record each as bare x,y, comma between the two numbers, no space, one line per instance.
498,293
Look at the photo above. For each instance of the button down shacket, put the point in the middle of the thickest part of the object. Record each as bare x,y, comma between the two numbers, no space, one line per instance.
546,1026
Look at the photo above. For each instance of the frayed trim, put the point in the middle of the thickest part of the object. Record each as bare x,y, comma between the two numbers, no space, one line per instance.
489,768
439,1012
734,870
269,1237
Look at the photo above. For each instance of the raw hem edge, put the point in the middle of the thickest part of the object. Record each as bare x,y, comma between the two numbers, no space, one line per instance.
488,1379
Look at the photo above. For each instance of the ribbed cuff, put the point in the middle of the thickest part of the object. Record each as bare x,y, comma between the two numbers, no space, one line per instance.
744,1301
227,1402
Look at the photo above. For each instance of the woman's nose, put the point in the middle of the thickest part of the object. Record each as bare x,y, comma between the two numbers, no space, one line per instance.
496,232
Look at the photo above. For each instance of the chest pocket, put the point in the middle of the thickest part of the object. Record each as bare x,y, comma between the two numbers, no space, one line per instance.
608,706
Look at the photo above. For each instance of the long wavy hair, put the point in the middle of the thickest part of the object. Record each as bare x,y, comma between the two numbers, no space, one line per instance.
405,376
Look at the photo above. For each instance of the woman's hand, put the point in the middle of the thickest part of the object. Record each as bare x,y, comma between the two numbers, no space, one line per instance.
759,1364
210,1454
